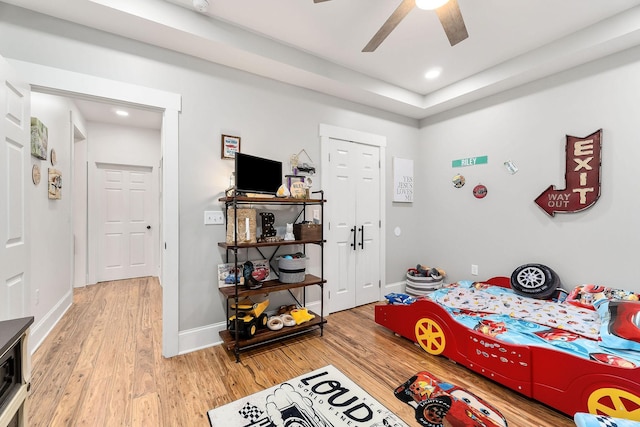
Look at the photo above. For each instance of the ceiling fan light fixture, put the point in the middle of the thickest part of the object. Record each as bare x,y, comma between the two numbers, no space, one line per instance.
430,4
201,5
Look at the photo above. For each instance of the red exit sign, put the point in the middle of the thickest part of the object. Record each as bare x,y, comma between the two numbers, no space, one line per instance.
582,177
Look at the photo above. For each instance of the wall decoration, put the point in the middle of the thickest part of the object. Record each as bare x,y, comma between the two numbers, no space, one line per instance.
55,184
39,139
510,167
54,157
402,180
480,191
230,146
583,162
470,161
458,181
246,226
35,174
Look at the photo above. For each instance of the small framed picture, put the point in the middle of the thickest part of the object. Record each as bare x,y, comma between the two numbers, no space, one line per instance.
230,146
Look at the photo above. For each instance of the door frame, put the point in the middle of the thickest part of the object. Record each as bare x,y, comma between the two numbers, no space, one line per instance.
71,84
327,132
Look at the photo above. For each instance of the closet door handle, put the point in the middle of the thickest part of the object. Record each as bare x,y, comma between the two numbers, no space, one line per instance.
361,230
353,230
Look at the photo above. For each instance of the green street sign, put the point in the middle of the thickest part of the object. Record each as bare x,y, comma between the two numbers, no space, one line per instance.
470,161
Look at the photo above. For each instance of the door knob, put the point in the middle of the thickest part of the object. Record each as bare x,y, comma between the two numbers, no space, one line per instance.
148,227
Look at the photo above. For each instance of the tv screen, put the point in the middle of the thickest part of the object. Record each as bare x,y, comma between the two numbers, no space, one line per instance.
257,175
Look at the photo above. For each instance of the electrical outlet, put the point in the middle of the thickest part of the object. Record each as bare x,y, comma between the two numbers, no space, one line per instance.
213,217
316,216
37,296
474,269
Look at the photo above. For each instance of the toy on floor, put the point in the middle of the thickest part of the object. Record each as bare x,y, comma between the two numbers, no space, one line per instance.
438,403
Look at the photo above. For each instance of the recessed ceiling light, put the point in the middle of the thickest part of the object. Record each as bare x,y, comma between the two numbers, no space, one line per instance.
433,73
122,113
430,4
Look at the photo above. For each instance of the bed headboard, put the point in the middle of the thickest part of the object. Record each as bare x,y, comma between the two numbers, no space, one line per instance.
503,282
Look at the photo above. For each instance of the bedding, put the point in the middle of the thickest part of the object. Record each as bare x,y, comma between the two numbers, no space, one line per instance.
572,357
502,314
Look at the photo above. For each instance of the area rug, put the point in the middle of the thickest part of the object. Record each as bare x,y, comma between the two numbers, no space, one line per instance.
322,398
442,404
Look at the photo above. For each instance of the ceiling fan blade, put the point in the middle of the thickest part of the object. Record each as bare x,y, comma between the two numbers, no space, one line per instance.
452,22
391,23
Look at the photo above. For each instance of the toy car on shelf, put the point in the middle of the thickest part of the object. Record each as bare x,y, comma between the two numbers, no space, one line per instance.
249,317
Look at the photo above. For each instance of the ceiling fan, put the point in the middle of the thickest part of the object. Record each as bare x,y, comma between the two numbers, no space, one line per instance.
449,15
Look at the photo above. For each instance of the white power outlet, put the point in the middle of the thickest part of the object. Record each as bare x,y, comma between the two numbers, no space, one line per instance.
37,296
474,269
213,217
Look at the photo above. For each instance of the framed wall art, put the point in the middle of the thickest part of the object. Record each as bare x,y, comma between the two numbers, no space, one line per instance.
39,139
55,184
402,180
230,146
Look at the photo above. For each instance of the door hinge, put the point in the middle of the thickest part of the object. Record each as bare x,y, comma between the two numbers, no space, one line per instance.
380,284
379,223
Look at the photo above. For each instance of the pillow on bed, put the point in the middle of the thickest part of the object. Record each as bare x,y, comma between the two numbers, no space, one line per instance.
585,295
620,326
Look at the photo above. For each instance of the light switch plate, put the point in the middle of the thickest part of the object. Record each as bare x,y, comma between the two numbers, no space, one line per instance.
213,217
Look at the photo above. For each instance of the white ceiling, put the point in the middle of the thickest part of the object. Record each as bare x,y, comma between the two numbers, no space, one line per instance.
318,46
104,112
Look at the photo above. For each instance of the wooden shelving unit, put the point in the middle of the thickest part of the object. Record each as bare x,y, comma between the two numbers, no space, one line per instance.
236,343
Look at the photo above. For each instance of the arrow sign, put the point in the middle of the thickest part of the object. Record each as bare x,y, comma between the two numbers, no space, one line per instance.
582,177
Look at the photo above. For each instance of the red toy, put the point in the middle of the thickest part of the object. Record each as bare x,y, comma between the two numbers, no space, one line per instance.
436,402
565,382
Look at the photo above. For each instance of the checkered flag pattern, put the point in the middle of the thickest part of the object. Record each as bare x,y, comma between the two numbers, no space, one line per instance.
250,412
604,421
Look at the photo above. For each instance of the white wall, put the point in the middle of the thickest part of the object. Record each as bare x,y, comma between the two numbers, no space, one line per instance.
52,244
120,145
528,126
273,119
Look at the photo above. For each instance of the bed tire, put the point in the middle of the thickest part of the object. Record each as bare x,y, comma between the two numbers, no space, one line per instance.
535,281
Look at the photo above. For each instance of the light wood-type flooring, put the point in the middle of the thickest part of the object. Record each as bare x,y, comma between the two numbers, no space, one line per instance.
102,366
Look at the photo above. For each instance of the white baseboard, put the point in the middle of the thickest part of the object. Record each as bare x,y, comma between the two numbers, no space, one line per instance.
394,287
41,330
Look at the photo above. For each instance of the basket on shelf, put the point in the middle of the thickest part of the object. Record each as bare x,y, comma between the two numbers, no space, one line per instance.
292,270
307,231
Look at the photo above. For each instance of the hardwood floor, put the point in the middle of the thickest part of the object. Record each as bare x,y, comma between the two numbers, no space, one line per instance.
102,366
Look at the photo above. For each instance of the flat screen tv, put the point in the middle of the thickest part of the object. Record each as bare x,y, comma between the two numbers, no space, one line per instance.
257,175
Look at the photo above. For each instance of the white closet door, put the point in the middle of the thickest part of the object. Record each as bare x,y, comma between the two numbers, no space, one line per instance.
353,199
367,206
15,173
340,251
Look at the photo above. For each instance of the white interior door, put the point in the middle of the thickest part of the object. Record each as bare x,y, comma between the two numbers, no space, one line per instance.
15,171
341,246
353,247
125,230
367,208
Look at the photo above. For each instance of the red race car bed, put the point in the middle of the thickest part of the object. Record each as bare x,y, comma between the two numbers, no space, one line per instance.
560,361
